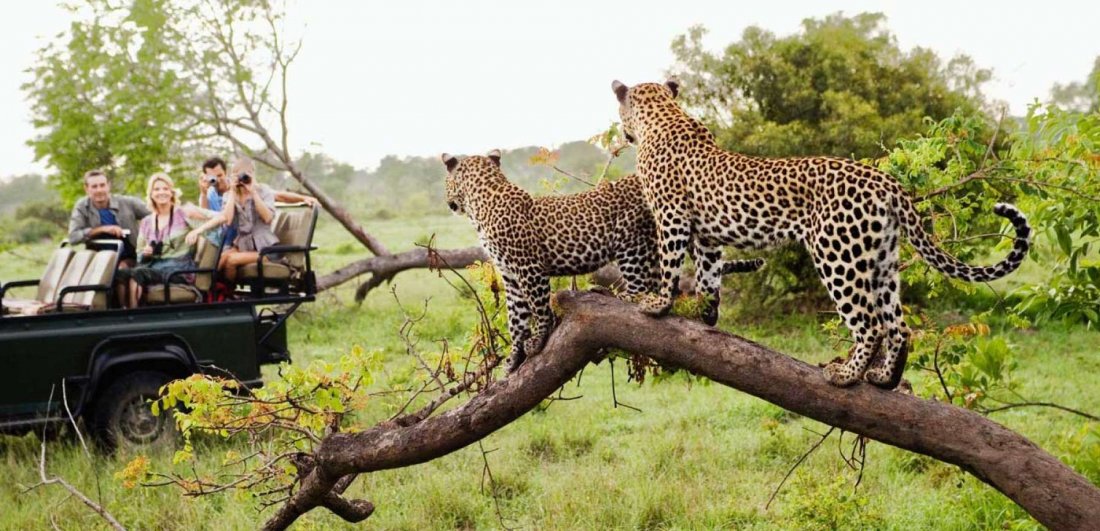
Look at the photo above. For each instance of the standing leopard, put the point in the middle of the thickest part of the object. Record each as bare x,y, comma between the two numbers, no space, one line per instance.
849,216
531,239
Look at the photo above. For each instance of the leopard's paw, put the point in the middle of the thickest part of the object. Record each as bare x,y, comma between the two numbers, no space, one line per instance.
653,304
840,374
514,361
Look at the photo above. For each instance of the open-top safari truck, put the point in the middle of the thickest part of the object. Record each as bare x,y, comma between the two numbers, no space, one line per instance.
68,352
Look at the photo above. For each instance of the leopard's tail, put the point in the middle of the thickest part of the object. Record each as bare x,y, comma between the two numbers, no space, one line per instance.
951,266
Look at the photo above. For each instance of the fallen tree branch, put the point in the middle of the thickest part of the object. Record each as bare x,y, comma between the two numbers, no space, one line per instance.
383,268
1052,493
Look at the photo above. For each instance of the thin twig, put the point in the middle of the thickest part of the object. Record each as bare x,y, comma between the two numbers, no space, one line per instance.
614,397
796,464
487,472
1011,405
570,175
73,491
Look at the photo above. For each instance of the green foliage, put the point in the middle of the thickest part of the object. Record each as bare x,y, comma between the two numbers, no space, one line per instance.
19,191
104,98
1079,96
1083,449
841,87
287,415
34,221
1058,156
968,365
830,502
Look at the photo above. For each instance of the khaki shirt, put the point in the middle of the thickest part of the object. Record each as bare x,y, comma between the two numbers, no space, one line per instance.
85,217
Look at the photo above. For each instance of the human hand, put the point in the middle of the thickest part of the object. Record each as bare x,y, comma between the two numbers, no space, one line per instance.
309,200
112,230
193,237
147,251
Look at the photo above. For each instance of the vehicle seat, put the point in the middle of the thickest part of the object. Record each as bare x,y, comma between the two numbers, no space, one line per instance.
294,226
47,285
206,257
100,272
72,276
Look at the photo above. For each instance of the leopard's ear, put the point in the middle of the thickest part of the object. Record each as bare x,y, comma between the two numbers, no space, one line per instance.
620,90
494,156
673,84
450,161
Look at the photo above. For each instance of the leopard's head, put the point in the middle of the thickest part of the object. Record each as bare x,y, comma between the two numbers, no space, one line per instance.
633,102
465,173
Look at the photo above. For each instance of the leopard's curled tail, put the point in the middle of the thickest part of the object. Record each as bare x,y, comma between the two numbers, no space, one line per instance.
951,266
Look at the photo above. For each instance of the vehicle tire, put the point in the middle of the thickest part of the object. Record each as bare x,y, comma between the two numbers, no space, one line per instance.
122,416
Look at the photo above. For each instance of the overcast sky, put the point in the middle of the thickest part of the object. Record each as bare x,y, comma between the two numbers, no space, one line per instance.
420,78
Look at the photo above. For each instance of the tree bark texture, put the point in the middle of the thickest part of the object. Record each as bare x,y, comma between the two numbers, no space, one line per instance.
1048,490
383,268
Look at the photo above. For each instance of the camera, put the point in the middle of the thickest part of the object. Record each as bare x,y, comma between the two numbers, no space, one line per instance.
243,179
158,247
210,178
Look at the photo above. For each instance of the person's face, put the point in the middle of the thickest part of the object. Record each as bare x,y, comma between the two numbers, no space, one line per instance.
98,189
161,194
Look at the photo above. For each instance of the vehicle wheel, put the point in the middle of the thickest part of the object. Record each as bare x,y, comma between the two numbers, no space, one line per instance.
122,416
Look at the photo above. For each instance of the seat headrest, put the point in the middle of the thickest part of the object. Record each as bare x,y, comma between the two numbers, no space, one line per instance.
47,285
100,271
295,227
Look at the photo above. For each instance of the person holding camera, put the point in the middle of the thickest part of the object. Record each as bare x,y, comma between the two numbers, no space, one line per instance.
162,241
250,206
214,184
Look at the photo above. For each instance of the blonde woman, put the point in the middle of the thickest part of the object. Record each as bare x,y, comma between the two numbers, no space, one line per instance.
161,243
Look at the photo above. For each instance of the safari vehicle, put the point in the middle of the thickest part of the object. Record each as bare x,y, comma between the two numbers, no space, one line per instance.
67,352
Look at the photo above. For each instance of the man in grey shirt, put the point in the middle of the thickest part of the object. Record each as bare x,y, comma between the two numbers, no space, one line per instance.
101,215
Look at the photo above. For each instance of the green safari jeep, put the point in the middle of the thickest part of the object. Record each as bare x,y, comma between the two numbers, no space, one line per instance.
67,352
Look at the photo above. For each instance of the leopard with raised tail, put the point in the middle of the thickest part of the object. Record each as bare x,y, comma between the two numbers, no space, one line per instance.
850,216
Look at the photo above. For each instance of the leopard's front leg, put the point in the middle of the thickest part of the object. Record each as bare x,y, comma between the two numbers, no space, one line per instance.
673,235
519,317
528,295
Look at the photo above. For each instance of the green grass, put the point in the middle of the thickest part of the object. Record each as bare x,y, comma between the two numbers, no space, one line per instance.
698,455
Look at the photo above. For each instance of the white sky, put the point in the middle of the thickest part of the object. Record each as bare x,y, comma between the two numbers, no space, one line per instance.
420,78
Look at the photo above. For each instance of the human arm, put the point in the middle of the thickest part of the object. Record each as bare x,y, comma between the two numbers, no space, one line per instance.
141,210
215,220
199,213
79,230
264,201
284,196
229,206
204,202
144,249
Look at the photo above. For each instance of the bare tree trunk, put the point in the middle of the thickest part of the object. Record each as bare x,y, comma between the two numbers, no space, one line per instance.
337,211
1052,493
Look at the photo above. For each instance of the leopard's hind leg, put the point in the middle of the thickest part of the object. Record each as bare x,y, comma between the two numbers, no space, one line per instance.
848,276
887,369
708,278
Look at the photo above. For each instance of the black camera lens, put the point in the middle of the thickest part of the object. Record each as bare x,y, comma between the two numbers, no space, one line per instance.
244,178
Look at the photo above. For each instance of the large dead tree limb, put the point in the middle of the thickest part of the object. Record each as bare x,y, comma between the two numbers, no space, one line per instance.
1051,492
383,268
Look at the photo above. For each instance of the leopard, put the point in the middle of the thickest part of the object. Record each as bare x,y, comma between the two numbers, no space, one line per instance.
531,239
850,216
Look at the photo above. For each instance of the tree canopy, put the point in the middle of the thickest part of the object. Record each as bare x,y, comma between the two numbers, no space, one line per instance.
842,87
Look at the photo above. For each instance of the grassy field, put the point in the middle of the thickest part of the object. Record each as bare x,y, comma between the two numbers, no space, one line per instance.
696,456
